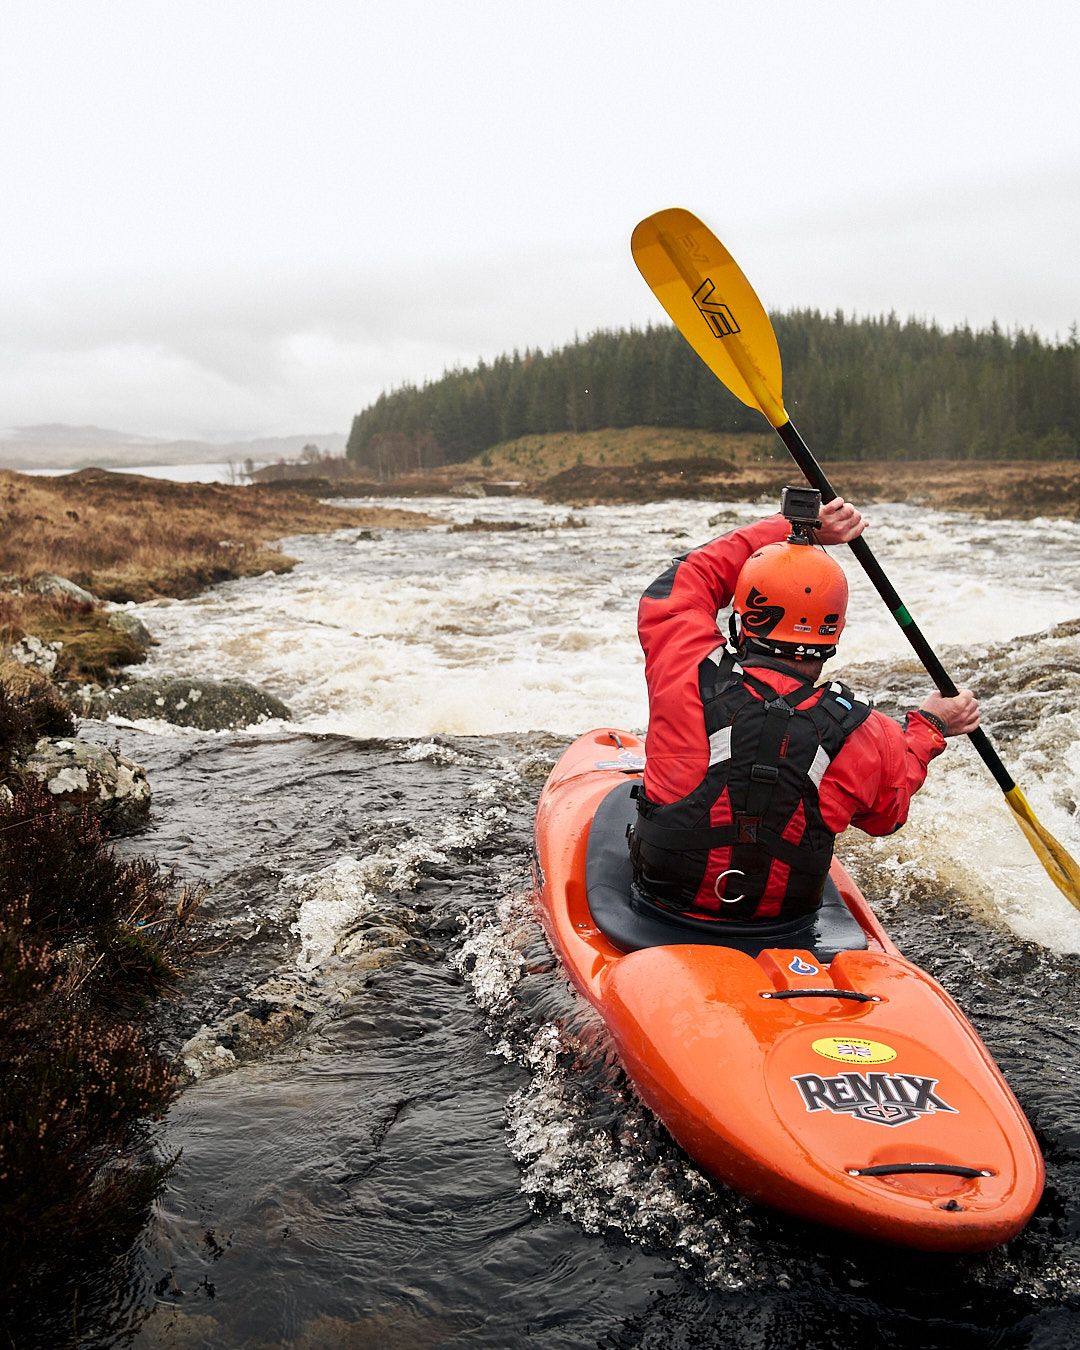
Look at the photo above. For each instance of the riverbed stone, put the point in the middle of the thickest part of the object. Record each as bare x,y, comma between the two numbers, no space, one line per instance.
132,627
84,774
254,1025
206,705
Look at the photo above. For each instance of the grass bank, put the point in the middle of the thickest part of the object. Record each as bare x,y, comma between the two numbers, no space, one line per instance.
126,537
639,464
543,456
996,489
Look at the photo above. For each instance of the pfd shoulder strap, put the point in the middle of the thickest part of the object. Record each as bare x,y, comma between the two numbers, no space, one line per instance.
847,709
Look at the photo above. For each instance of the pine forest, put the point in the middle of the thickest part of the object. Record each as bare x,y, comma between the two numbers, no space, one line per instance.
869,389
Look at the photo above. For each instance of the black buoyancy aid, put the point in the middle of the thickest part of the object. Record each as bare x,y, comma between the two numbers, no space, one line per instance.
769,758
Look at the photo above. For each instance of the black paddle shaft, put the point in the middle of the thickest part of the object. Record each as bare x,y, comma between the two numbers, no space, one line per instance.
815,476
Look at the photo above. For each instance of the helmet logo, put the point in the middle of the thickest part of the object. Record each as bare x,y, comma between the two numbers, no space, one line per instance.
760,618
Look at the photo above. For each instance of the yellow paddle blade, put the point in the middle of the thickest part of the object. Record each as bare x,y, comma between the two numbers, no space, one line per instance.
713,306
1061,867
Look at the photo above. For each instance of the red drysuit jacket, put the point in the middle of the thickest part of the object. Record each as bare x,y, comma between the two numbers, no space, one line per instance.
872,779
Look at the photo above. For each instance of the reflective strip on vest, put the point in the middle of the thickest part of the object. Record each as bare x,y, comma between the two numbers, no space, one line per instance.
816,771
717,655
720,746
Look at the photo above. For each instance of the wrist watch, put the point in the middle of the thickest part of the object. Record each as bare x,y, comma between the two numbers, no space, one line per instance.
938,723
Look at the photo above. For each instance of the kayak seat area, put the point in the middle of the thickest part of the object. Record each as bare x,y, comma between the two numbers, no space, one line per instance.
608,882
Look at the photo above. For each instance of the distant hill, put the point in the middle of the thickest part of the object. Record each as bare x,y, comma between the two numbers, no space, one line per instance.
57,446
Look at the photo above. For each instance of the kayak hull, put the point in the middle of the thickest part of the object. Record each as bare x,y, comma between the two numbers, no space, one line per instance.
849,1090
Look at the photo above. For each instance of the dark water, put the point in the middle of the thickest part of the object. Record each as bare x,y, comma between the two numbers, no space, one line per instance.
447,1154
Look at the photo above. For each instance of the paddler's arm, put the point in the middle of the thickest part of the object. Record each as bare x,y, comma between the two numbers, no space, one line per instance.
682,603
871,782
677,629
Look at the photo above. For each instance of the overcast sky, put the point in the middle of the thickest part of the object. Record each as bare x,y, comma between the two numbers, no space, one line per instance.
249,217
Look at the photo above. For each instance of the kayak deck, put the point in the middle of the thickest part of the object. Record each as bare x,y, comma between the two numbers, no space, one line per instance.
833,1079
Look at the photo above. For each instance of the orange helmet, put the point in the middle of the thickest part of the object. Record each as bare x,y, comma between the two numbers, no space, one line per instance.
790,600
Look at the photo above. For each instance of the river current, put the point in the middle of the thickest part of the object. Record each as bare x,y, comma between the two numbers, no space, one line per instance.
446,1151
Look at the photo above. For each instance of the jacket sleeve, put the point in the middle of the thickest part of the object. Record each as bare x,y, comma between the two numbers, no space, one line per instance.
682,603
873,779
677,629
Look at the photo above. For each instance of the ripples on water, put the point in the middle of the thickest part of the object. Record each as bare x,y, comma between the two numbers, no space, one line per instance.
449,1154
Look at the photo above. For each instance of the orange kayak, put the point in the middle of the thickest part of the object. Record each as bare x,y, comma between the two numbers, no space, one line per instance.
808,1065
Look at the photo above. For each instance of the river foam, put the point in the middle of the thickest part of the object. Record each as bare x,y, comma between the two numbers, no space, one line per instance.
496,630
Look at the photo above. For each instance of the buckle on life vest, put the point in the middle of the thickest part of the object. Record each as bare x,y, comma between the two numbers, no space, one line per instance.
780,704
746,828
764,773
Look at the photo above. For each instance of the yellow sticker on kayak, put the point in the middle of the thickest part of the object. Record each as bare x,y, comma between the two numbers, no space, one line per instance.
852,1050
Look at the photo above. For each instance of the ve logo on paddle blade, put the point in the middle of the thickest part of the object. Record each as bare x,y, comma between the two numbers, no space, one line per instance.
715,313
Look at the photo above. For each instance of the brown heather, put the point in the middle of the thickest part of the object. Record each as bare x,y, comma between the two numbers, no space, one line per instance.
87,940
125,537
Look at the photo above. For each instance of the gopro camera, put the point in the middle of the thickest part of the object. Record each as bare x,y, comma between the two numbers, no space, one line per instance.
802,506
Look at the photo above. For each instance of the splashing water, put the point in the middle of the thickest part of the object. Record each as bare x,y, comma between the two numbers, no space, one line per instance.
436,632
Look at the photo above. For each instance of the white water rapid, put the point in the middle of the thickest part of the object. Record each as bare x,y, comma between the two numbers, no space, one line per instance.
529,626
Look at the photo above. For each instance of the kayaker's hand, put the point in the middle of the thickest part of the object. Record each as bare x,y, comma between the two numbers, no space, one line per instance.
960,714
840,523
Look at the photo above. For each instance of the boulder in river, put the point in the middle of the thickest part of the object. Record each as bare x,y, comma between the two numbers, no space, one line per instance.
206,705
268,1017
82,774
132,627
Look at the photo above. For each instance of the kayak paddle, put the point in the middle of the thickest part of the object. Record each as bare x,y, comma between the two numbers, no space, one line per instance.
717,311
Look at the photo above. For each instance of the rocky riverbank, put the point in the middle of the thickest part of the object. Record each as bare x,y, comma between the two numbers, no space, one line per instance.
71,545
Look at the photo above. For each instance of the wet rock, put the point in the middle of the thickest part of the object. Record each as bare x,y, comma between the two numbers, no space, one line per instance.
268,1017
82,774
36,653
132,627
207,705
374,945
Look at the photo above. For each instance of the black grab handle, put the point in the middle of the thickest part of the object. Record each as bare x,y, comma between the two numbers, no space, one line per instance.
946,1169
852,994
